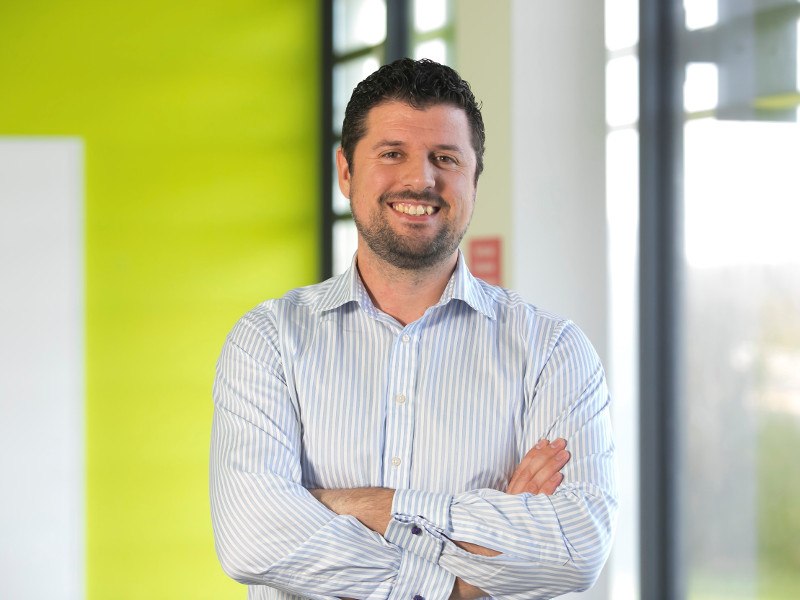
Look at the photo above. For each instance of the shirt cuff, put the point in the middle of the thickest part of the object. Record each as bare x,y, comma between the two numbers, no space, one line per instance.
418,579
432,507
418,520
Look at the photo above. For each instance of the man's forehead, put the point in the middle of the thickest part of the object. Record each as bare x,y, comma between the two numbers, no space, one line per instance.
393,105
445,117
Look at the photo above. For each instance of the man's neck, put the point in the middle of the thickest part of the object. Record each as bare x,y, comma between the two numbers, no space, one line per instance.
401,293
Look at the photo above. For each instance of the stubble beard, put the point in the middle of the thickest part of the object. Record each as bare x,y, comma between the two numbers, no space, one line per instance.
405,251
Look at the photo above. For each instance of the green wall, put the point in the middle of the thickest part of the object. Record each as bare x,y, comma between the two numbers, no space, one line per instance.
199,120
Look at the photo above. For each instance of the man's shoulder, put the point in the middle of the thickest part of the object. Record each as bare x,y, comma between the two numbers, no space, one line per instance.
309,297
297,304
541,327
509,303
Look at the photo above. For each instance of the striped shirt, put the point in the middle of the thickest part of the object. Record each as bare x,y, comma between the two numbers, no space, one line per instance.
320,389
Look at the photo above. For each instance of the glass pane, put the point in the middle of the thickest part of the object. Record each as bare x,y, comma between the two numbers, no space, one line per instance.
358,23
622,214
622,91
700,13
345,242
434,49
742,360
622,220
429,15
346,76
742,193
622,24
701,87
740,399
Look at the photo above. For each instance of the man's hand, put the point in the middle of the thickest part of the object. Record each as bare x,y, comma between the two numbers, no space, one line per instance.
539,472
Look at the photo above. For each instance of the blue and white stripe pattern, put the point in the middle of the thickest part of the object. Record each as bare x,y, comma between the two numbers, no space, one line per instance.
321,389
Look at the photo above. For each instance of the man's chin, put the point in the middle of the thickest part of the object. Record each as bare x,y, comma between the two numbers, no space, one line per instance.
409,252
414,258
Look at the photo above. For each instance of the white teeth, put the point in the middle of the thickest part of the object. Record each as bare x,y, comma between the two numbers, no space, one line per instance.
413,209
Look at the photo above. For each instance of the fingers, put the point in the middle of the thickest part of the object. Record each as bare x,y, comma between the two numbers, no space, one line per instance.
527,468
539,470
549,487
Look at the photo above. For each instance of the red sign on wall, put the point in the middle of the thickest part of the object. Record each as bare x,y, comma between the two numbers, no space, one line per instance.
485,259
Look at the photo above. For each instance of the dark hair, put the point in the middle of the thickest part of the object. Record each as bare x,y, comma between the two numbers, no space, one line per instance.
420,84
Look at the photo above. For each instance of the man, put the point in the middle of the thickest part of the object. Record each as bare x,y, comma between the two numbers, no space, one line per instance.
385,434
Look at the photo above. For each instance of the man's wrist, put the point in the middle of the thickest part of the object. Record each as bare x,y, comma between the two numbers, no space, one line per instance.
371,506
464,591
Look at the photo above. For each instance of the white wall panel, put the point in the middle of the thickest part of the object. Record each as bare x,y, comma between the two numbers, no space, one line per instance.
558,160
41,369
558,168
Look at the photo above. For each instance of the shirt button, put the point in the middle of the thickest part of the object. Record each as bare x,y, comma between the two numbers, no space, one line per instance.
418,597
400,399
406,338
415,530
396,461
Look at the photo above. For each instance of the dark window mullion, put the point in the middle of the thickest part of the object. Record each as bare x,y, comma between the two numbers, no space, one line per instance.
327,135
660,235
398,29
358,53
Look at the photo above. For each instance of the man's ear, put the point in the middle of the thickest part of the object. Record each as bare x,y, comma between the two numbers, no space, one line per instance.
343,172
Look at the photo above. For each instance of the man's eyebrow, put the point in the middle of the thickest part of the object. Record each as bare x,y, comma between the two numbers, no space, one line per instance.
450,147
398,144
387,143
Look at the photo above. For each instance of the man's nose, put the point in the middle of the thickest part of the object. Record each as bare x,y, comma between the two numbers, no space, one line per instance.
419,174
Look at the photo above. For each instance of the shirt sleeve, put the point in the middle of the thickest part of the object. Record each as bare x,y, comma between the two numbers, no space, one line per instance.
549,545
269,530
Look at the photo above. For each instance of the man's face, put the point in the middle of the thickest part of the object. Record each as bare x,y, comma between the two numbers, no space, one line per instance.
412,183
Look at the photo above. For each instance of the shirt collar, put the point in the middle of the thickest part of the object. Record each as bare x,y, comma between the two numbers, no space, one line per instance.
343,288
463,286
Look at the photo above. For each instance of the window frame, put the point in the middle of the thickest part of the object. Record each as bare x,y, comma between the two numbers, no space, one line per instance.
401,40
396,45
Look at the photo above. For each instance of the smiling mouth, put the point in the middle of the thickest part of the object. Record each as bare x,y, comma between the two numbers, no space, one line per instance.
415,210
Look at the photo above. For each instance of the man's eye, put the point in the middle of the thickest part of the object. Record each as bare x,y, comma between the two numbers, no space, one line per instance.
391,155
443,158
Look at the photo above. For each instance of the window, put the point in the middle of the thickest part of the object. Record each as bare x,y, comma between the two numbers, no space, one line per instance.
622,216
739,308
361,36
720,299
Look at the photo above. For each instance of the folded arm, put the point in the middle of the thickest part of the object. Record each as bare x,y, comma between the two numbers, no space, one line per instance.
527,545
269,530
537,473
549,545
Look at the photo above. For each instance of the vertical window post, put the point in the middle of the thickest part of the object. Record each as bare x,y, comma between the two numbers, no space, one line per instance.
397,29
661,143
327,141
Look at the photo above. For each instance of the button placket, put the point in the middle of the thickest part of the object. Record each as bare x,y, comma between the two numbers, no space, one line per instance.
399,410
